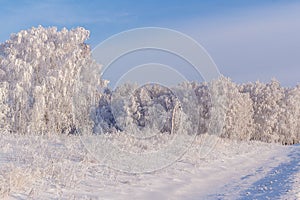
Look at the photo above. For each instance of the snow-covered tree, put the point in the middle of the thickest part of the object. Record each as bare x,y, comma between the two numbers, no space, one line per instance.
4,109
104,118
232,109
189,105
288,125
46,70
267,106
204,105
150,106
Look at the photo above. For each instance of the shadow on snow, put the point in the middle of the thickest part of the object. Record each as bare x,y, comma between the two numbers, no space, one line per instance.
277,182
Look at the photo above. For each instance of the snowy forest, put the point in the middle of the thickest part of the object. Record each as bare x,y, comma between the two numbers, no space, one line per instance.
50,84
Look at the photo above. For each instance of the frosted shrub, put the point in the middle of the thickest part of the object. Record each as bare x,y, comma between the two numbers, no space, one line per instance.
44,69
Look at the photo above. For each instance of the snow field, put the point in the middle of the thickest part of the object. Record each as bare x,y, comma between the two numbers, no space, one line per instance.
59,166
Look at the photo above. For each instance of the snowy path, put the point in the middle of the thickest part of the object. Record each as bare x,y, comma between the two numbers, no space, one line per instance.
59,167
262,173
267,181
281,181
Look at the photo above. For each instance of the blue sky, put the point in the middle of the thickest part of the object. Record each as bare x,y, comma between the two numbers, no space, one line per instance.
248,40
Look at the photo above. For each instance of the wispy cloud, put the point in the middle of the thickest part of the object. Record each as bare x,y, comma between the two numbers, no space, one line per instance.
254,44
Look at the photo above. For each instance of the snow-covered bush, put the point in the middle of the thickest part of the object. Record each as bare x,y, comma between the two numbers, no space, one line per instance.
42,71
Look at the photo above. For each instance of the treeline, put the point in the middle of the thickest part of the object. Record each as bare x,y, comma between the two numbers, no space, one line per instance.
254,111
49,83
266,112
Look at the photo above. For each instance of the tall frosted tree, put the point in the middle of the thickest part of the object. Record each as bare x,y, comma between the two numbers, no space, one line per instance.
288,126
267,106
4,109
45,70
233,108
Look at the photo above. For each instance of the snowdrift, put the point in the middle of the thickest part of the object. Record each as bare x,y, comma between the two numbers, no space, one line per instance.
50,85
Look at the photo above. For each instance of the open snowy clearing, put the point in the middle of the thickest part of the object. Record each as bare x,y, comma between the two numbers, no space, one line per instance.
59,166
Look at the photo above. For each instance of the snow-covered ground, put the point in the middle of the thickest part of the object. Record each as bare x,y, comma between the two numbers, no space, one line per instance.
60,167
42,70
